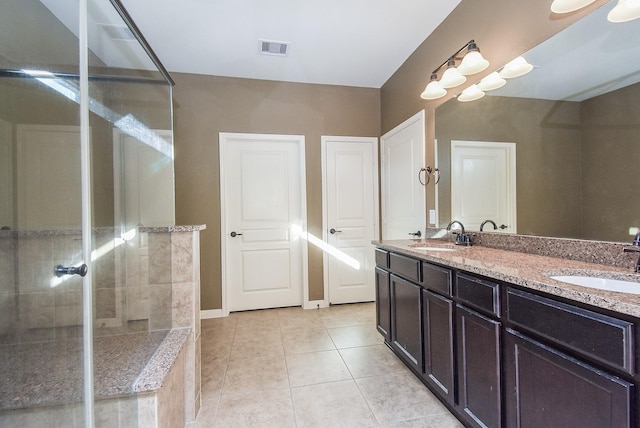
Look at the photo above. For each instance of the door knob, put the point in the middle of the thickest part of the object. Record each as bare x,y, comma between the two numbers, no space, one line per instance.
71,270
418,233
333,231
234,234
504,226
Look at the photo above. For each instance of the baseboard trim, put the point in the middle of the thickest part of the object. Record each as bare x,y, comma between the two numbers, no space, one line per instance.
211,313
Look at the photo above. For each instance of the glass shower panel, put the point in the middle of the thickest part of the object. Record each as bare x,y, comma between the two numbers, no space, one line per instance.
132,182
41,314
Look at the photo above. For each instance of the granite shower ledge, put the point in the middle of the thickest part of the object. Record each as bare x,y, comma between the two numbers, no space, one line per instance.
103,230
50,373
527,270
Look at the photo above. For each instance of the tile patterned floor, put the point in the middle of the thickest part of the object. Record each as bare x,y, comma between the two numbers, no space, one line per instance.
315,368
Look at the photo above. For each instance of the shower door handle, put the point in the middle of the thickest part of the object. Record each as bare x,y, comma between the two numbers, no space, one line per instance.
71,270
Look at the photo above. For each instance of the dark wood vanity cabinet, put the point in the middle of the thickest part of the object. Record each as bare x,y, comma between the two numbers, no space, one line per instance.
406,318
383,303
502,356
438,343
550,389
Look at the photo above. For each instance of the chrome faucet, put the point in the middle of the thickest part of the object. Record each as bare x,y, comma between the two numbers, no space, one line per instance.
462,238
635,248
495,226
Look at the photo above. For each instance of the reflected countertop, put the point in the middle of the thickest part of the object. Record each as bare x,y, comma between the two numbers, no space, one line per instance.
526,270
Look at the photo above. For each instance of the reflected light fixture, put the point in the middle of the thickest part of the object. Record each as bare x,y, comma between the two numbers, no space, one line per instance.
471,62
433,91
625,10
566,6
491,82
471,93
516,68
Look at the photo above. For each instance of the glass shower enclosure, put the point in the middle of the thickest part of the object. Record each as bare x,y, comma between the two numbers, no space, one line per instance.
86,157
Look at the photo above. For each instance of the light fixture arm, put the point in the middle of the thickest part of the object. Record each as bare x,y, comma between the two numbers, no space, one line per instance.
454,56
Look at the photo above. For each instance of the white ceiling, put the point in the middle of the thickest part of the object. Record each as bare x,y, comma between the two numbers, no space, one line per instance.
336,42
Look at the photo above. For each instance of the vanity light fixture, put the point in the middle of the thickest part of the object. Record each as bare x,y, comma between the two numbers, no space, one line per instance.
625,10
566,6
472,62
471,93
516,68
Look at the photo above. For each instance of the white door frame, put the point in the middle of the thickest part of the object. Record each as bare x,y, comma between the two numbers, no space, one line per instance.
224,139
376,200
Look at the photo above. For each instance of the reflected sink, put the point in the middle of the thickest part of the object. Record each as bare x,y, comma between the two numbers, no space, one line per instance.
600,283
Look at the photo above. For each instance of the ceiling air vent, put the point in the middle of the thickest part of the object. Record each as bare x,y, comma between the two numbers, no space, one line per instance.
269,47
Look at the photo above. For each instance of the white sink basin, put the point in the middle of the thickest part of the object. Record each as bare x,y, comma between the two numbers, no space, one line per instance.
600,283
434,247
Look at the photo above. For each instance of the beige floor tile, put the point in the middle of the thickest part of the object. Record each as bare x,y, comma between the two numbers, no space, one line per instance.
316,367
251,349
247,334
304,341
212,380
444,420
366,361
335,404
264,409
359,335
399,397
212,354
259,374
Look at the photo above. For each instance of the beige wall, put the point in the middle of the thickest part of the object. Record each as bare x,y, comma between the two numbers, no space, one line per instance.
207,105
503,30
610,159
548,152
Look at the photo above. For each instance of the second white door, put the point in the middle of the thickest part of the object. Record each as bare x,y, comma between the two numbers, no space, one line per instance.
263,209
350,217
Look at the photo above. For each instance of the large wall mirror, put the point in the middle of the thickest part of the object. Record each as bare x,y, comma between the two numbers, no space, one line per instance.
575,123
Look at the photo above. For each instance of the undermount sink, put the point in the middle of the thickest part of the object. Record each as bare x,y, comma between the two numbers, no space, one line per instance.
434,247
600,283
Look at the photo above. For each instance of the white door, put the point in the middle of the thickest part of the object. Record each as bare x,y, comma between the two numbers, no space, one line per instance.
403,195
263,221
350,217
483,184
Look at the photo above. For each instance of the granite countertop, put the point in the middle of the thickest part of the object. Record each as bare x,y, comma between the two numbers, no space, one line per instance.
527,270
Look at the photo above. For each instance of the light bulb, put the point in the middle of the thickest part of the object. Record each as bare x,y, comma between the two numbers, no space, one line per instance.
433,91
451,77
473,62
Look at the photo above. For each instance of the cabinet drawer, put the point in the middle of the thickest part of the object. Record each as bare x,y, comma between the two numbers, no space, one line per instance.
478,293
436,278
404,266
601,337
382,258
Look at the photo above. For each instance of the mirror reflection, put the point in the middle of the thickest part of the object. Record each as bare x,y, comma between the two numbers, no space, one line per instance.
574,123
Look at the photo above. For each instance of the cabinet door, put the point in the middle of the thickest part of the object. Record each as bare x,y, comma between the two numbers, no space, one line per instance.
437,331
406,320
478,352
383,303
547,388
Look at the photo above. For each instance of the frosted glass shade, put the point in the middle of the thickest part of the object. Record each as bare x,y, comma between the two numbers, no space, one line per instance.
491,82
452,78
566,6
472,93
516,68
625,10
473,62
433,91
